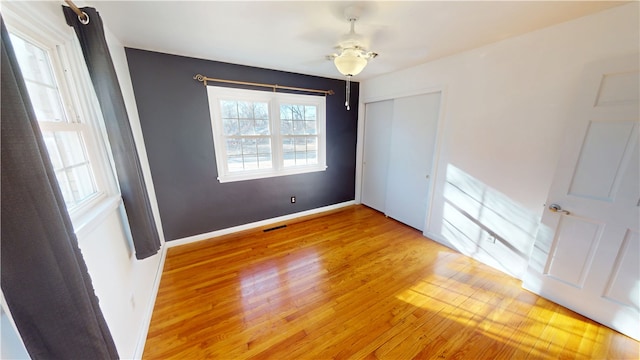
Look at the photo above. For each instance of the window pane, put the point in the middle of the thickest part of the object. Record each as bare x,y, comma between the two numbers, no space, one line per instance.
249,146
310,113
298,112
81,183
312,157
33,61
234,163
301,143
285,112
249,154
71,147
312,150
286,127
301,157
247,127
250,162
300,150
73,170
289,159
304,119
310,127
262,127
312,143
245,110
233,147
36,69
46,102
288,152
229,109
231,127
264,146
261,111
52,149
264,161
288,145
299,128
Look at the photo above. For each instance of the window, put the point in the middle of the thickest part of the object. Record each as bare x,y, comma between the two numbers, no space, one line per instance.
67,138
260,134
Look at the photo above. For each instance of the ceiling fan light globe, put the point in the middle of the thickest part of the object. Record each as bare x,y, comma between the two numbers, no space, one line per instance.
349,63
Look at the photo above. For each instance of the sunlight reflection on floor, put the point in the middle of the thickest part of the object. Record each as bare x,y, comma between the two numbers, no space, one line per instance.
540,329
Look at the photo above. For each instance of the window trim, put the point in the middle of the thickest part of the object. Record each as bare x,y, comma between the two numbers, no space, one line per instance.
274,100
79,104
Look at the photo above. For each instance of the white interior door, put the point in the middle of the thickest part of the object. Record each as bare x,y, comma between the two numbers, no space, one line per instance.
587,251
377,134
413,136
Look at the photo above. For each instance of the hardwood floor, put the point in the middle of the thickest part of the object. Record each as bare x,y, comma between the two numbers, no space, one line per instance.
355,284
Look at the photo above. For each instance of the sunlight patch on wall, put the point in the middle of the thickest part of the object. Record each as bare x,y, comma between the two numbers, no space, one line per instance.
485,224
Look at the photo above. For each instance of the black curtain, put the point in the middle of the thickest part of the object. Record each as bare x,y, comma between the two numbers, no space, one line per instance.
103,75
43,274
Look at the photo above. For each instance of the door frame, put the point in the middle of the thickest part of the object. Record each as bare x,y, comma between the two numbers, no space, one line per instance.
437,149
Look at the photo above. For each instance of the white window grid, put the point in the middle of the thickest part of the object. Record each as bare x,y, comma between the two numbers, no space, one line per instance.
295,143
70,136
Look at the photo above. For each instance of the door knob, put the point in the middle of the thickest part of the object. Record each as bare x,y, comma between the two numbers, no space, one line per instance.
558,209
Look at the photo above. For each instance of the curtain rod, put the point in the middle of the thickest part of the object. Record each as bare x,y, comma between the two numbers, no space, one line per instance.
81,15
204,80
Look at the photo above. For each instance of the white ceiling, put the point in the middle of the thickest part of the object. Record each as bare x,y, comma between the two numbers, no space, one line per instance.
297,35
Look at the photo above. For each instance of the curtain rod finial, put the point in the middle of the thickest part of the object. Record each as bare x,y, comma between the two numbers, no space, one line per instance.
200,78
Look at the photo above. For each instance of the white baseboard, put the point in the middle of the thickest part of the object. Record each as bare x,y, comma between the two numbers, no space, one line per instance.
209,235
439,239
142,338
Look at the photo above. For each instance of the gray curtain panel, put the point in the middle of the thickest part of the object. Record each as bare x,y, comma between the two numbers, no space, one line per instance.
132,186
43,274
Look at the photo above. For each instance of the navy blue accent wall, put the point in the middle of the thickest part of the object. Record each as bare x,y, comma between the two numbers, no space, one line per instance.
174,114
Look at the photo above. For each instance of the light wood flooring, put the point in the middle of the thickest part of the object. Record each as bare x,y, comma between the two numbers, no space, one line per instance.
355,284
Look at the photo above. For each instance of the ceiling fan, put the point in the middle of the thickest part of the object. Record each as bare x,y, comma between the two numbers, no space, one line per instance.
352,57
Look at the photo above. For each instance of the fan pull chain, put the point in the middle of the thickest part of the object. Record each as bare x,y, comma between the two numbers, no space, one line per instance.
348,90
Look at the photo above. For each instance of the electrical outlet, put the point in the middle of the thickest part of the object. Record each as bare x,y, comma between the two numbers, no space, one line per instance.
293,199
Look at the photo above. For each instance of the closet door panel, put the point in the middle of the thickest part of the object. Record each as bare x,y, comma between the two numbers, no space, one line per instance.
377,134
410,159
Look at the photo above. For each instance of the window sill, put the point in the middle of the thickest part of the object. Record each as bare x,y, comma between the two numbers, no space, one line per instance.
241,176
89,220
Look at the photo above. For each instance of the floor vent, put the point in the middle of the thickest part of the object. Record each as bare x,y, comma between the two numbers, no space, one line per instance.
275,228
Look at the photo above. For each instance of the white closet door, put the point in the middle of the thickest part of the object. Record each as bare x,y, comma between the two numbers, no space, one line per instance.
377,131
413,135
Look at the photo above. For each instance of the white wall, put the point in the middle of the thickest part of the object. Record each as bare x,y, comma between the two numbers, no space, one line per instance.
144,275
126,287
504,109
11,346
